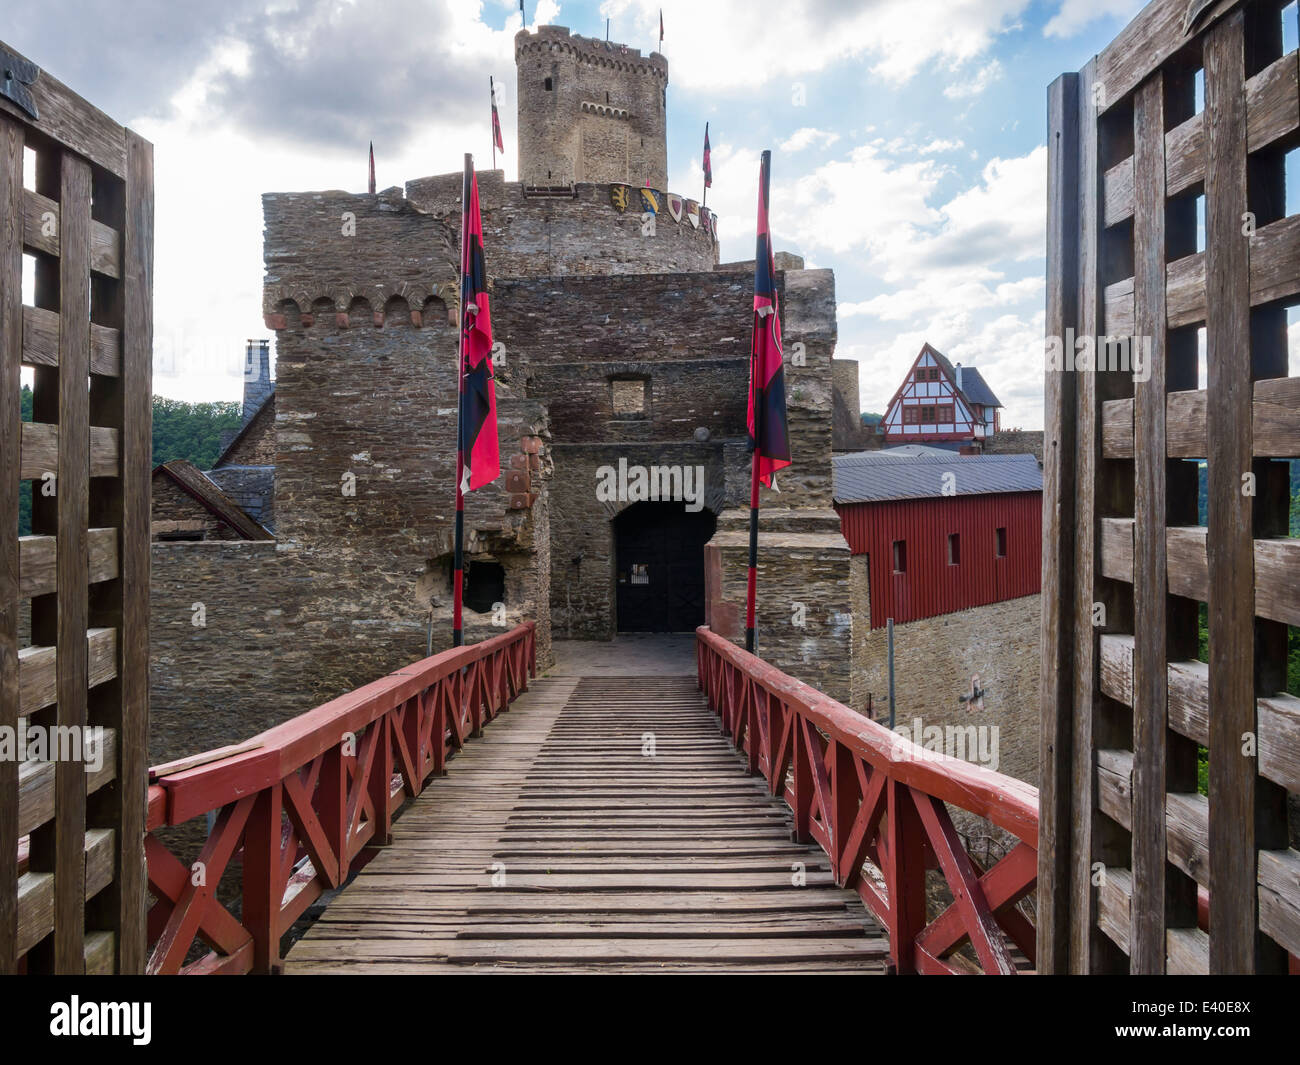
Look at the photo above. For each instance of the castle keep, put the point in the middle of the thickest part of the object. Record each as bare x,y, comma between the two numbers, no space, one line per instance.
622,352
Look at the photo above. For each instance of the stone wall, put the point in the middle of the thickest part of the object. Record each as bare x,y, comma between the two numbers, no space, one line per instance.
589,110
527,236
1015,442
934,660
177,513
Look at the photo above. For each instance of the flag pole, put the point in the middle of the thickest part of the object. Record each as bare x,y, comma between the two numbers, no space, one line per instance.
458,572
756,396
492,95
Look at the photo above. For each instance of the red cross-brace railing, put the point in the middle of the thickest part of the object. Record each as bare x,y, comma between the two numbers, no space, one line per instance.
878,805
298,803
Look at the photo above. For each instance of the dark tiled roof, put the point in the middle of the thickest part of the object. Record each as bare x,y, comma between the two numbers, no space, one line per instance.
263,412
976,388
192,480
973,386
873,476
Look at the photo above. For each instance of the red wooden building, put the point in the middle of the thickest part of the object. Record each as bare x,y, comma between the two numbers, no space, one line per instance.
944,532
940,402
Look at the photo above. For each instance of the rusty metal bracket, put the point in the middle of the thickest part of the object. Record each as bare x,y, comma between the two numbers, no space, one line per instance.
16,74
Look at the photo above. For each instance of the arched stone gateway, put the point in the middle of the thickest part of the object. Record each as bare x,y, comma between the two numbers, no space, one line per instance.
659,566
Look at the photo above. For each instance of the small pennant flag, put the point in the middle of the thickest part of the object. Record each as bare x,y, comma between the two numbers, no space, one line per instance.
372,168
479,423
768,433
708,160
496,119
661,27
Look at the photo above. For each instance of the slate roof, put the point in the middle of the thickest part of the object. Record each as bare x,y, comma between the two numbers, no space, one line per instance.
976,388
875,476
973,386
194,482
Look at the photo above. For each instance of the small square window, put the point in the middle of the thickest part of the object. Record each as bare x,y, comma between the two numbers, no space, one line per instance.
628,397
900,556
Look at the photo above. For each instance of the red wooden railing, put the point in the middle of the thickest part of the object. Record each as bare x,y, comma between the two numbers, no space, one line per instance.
875,802
301,801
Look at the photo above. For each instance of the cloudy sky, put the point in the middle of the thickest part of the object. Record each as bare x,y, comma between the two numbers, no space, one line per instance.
907,140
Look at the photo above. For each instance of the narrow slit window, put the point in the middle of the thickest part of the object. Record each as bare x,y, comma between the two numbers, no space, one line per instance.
1000,542
900,556
954,549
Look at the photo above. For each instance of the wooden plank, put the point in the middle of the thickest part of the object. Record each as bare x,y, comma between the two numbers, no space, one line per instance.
1153,37
69,829
551,884
1189,709
11,183
126,404
41,343
37,561
36,784
1147,934
41,233
100,950
68,119
1279,898
1272,113
37,895
1275,422
1230,547
1276,566
40,451
38,671
1057,636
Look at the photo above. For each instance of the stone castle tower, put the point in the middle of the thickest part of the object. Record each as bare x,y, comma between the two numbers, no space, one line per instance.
590,111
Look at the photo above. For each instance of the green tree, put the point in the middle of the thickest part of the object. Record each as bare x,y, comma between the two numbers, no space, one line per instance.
180,431
191,430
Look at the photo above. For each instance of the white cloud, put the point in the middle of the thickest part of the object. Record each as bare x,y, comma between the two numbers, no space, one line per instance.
726,44
808,135
1074,15
984,77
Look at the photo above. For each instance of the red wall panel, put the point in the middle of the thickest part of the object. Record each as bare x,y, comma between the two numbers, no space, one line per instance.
931,586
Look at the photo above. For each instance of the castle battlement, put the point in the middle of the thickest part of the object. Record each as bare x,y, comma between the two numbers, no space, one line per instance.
558,39
590,110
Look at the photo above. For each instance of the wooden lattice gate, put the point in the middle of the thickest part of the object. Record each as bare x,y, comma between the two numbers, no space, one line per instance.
72,815
1130,847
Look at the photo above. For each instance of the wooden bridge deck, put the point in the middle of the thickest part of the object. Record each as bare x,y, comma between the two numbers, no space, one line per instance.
613,860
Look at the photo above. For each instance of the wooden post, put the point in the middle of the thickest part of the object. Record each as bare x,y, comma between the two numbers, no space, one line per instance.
11,349
1057,635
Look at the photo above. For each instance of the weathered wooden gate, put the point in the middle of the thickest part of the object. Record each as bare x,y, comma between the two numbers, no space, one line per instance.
1129,847
72,877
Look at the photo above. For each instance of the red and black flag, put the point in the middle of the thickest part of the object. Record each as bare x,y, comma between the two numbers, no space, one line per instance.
768,434
496,119
478,422
708,160
372,168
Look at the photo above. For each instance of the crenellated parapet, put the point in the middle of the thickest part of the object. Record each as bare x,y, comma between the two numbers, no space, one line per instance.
558,40
355,259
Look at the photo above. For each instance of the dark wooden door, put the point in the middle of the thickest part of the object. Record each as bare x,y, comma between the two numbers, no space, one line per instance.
659,560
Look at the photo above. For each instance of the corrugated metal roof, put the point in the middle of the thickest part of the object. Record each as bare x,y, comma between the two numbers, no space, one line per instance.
873,476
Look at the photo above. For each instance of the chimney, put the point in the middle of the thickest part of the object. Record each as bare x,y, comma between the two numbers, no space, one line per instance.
257,377
958,368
